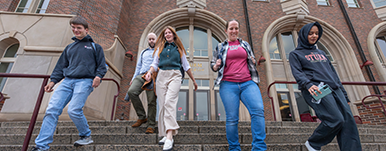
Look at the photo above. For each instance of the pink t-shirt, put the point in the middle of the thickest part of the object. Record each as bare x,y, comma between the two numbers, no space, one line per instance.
236,66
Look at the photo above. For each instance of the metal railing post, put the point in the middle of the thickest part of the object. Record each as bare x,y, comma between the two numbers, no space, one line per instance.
34,116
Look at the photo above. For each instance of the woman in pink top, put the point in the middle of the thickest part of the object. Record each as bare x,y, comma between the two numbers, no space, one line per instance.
238,79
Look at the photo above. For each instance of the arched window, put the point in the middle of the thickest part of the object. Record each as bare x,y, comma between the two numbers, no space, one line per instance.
200,32
288,95
380,46
379,3
6,62
204,42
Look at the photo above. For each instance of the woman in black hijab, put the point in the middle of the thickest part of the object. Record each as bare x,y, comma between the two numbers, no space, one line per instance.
310,66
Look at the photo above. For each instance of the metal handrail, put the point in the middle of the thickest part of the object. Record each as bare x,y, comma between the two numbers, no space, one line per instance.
40,98
344,83
115,96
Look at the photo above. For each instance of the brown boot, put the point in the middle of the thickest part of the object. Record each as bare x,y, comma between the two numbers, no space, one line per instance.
149,130
139,122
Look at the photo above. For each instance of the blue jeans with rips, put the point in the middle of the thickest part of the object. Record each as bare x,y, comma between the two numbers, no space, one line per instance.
74,92
249,93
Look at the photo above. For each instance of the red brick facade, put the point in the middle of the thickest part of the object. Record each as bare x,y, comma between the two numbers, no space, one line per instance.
128,19
372,116
102,15
7,5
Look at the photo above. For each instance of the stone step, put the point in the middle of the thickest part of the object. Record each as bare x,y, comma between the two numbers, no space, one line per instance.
183,129
182,123
205,138
207,147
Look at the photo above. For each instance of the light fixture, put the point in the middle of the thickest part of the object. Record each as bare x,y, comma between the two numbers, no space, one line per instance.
261,59
129,54
367,63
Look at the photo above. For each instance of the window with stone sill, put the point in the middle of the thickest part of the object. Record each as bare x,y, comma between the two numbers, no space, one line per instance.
289,95
380,46
379,3
26,6
323,2
353,3
204,42
6,62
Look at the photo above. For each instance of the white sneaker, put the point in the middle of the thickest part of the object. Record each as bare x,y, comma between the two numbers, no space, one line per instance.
309,147
162,141
84,140
168,146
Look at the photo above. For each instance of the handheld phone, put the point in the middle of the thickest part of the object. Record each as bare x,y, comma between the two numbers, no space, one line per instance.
326,90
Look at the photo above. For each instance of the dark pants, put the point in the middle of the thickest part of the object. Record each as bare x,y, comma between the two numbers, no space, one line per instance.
337,120
133,92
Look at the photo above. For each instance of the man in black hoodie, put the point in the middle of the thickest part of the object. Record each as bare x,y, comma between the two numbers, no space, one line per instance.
82,66
310,66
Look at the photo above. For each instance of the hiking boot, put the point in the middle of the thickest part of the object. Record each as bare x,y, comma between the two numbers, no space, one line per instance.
84,140
139,122
150,130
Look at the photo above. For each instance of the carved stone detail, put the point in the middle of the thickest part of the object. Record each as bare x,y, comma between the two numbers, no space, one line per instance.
191,3
294,6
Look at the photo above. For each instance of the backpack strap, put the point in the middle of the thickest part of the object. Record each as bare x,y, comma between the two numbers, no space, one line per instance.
93,45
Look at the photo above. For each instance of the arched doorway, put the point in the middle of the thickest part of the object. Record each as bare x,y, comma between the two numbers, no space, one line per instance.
200,31
280,38
376,44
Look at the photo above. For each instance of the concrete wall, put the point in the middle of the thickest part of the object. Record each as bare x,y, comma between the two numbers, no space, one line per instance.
42,38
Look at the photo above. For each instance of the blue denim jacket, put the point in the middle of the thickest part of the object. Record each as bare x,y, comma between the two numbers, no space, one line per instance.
221,52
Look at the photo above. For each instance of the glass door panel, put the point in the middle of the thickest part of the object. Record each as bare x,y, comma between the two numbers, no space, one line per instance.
182,107
220,111
201,106
183,33
285,109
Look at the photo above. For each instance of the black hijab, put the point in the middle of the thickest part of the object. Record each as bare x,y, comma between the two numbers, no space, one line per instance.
303,36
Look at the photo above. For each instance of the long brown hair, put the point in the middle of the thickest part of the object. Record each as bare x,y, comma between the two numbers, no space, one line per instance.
161,40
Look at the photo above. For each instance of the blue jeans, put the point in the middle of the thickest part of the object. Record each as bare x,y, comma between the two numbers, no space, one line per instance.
249,93
75,92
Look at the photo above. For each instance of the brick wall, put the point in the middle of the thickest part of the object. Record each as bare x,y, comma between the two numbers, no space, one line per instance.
133,26
102,16
259,22
7,5
135,16
363,20
128,19
372,116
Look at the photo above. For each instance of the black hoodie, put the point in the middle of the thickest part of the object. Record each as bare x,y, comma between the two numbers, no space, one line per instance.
310,66
80,60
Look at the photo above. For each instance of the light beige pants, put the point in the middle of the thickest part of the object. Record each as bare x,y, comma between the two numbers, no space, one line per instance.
167,87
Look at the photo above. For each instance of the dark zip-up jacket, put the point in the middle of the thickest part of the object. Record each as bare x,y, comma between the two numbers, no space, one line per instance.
80,59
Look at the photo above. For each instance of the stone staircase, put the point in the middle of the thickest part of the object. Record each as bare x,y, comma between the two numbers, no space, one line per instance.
193,136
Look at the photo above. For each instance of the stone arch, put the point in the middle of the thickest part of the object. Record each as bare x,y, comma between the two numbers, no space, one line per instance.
7,39
344,56
184,17
377,30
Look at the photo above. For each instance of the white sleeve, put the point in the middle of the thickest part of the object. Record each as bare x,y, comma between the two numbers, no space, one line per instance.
185,63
